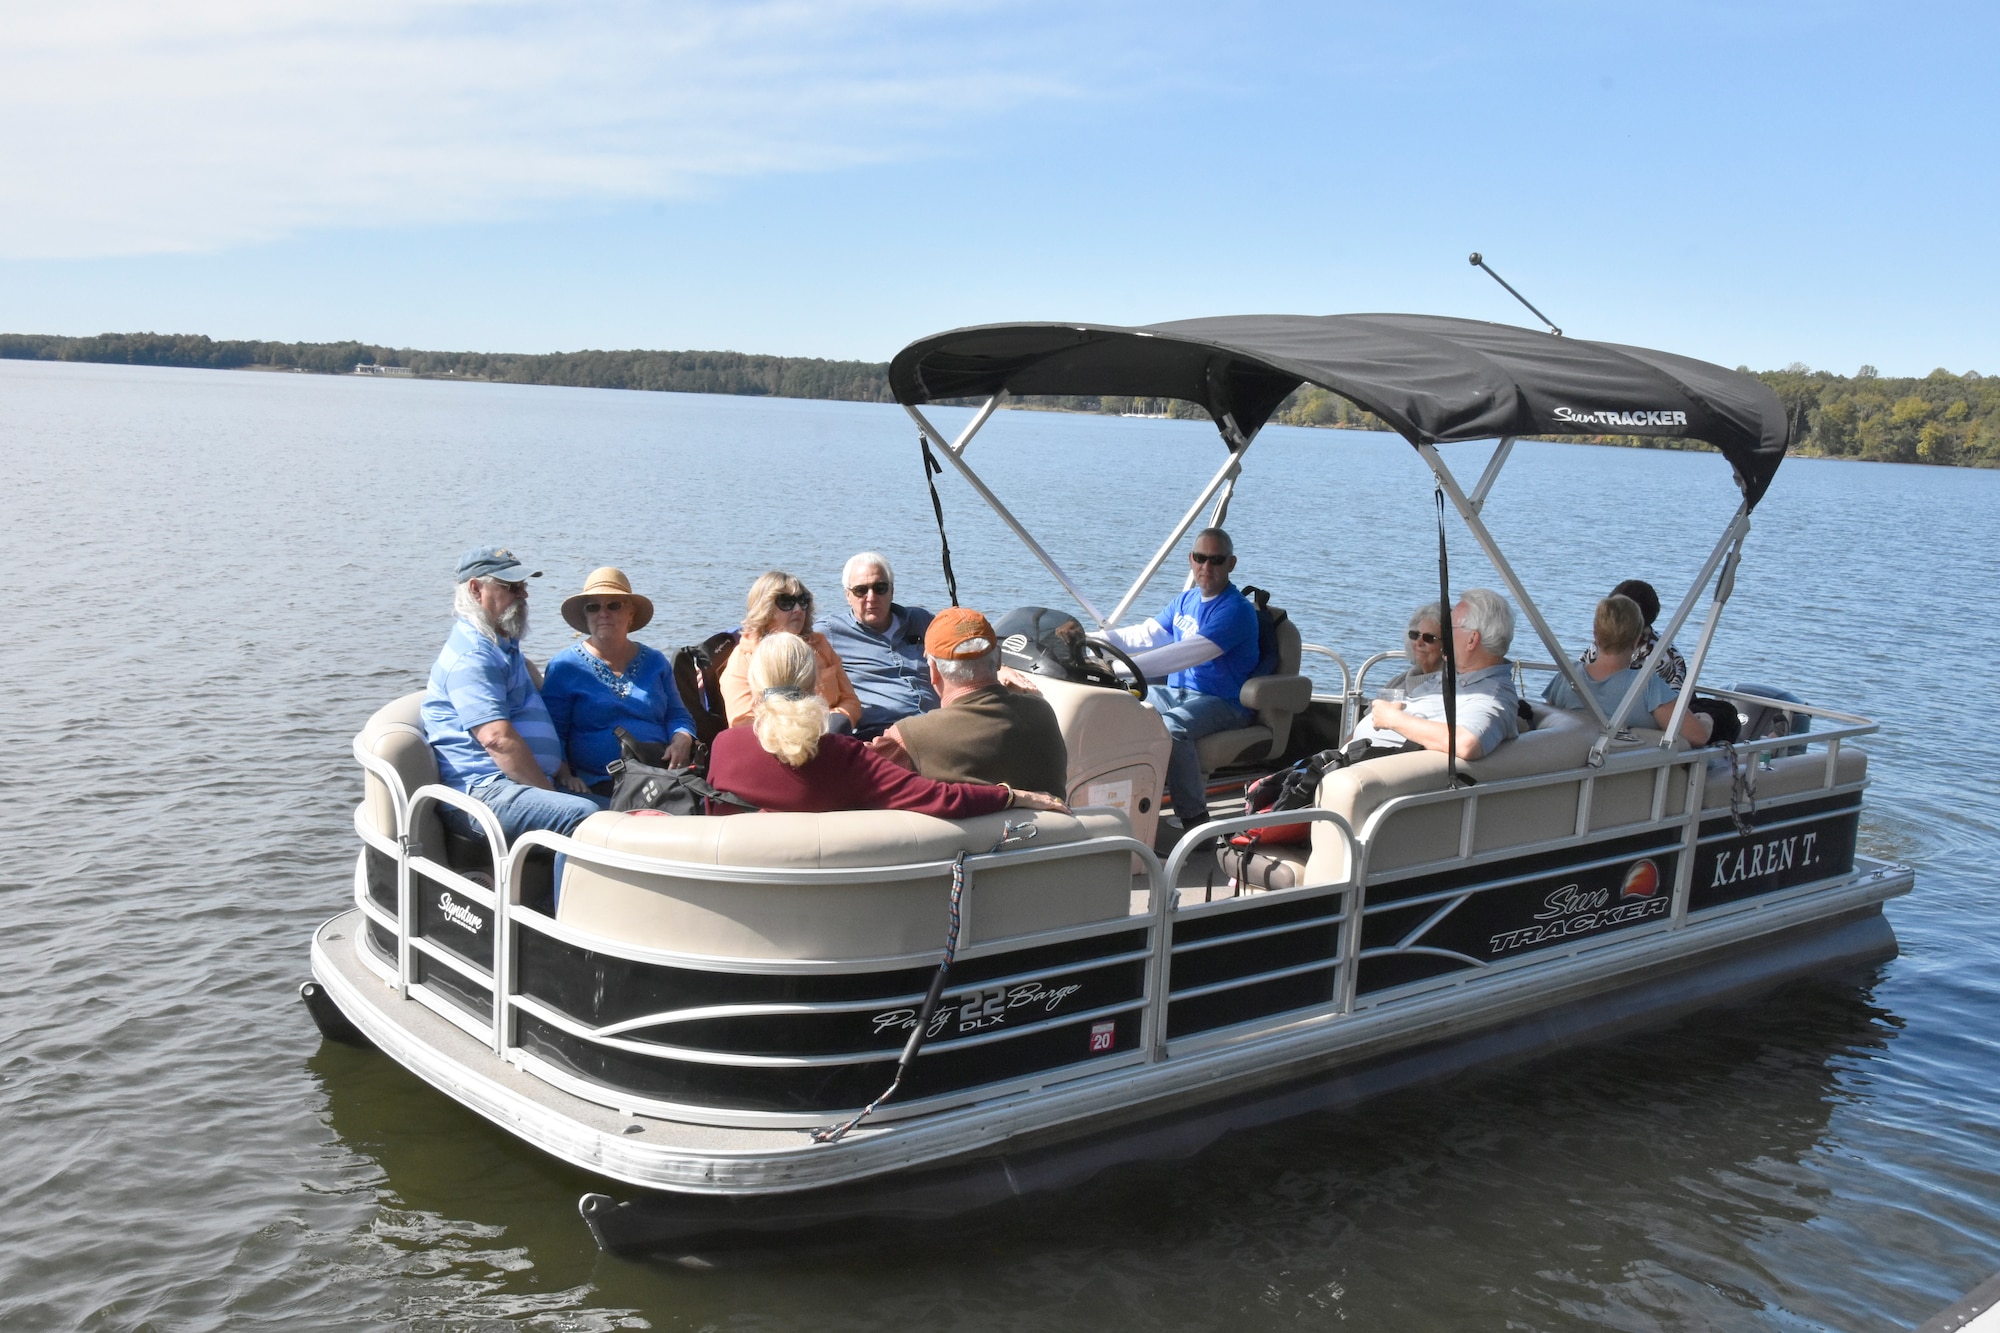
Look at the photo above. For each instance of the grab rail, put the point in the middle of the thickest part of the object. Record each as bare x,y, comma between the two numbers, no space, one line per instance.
1191,843
1328,653
1156,995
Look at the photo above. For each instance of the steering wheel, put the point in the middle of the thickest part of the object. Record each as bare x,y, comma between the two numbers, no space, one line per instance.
1102,658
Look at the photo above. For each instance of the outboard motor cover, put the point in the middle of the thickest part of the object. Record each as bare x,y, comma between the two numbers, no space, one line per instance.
1042,641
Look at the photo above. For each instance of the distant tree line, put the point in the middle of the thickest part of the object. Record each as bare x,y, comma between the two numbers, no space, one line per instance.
678,372
1941,418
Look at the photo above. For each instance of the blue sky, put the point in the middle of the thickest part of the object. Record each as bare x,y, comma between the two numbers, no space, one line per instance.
1750,183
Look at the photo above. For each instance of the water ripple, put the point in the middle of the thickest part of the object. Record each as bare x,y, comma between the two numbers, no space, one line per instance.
182,1153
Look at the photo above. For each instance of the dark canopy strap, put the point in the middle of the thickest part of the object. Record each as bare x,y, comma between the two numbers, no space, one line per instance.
931,470
1450,654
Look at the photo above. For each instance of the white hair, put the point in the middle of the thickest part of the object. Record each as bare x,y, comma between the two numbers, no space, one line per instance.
981,670
1428,611
1488,615
862,560
465,604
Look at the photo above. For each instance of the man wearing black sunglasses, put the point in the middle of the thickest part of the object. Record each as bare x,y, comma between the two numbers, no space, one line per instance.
1203,646
881,644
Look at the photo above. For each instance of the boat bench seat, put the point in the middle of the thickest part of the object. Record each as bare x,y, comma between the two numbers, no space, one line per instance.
395,734
1560,741
692,912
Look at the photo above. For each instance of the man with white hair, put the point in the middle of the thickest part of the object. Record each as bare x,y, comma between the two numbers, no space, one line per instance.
881,644
982,731
1482,630
482,714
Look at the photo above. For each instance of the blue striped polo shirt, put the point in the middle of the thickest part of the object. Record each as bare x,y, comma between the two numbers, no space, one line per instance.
476,681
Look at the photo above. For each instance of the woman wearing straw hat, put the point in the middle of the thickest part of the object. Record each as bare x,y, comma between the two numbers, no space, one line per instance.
607,679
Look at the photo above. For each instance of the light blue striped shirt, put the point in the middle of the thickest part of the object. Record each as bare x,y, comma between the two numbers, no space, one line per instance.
476,681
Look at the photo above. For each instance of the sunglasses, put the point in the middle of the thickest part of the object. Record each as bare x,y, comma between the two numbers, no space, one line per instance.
1423,636
880,587
793,601
518,589
1201,558
592,608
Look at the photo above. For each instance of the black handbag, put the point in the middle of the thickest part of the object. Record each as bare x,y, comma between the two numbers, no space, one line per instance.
641,783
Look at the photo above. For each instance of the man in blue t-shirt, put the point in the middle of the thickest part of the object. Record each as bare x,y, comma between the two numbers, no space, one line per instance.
482,714
1204,645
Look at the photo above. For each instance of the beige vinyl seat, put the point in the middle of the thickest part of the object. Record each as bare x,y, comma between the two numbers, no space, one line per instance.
1559,743
395,735
683,910
1276,699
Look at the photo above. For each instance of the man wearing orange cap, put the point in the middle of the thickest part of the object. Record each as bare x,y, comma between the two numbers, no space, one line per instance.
981,731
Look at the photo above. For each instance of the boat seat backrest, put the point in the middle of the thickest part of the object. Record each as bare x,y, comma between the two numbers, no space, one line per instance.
1559,741
1505,819
689,912
1276,699
395,734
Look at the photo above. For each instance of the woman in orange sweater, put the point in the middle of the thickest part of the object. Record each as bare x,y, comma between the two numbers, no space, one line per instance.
780,603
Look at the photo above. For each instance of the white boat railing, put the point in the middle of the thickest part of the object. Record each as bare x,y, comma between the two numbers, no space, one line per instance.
1320,924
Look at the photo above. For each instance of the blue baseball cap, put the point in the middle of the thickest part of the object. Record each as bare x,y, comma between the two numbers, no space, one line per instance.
493,562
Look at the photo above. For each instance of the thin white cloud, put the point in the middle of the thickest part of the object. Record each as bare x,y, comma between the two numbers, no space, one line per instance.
141,127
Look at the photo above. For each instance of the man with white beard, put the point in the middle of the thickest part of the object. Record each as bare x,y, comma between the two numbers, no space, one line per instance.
483,716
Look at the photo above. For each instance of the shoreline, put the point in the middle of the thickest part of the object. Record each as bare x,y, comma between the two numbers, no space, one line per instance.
1938,420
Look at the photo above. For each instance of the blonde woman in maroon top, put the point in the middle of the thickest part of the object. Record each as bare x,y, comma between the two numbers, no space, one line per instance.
784,760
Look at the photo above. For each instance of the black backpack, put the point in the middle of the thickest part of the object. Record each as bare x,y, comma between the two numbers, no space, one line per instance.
1268,619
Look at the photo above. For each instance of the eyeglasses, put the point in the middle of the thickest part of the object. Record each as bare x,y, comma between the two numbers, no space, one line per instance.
880,587
592,608
1204,558
1423,636
793,601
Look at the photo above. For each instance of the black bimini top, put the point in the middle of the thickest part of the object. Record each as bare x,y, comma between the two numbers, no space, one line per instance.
1432,379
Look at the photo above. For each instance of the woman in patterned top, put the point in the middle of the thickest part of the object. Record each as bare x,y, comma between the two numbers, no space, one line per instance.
607,680
1673,669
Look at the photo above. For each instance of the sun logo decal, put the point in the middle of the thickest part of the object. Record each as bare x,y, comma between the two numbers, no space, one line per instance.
1641,881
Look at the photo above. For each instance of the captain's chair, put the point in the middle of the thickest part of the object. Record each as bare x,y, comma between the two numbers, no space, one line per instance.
1276,699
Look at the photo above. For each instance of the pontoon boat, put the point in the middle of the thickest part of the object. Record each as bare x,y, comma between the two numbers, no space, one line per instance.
711,1001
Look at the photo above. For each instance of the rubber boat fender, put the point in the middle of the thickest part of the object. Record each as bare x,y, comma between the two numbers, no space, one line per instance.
327,1017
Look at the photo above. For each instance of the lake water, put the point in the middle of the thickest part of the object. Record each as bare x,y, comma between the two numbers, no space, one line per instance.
210,579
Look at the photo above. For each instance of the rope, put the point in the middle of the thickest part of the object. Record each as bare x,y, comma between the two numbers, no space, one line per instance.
833,1134
932,469
1742,790
916,1041
1450,654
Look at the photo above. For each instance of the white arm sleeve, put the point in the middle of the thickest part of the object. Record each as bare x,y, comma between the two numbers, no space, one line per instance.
1145,634
1163,662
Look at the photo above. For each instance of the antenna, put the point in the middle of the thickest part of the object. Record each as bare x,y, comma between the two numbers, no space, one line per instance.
1477,262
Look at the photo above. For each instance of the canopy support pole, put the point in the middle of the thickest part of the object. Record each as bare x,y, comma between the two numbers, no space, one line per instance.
1571,670
1725,584
1224,476
1732,537
993,501
964,440
1492,472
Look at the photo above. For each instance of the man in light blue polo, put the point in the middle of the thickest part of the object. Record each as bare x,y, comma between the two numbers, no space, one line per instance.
881,643
1482,630
483,716
1205,646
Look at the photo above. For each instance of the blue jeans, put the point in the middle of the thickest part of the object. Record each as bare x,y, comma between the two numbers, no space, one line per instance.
519,808
1190,715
